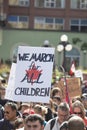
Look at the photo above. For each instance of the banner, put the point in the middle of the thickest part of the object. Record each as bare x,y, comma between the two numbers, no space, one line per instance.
33,74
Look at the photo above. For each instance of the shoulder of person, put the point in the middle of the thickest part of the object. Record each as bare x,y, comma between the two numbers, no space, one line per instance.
51,122
2,120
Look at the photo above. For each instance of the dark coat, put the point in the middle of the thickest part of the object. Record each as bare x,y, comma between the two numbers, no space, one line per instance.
6,125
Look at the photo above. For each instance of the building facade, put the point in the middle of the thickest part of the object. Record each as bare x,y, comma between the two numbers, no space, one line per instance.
33,21
60,15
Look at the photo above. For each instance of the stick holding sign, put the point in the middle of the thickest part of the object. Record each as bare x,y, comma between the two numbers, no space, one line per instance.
65,84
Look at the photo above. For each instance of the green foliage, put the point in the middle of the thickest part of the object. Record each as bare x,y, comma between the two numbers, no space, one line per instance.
84,46
76,40
4,69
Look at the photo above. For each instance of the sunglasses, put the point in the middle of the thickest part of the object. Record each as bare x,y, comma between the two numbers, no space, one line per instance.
79,113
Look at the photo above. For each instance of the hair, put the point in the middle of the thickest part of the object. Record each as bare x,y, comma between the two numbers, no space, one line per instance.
34,117
73,123
54,91
40,109
64,125
76,123
18,122
79,105
63,106
12,105
76,98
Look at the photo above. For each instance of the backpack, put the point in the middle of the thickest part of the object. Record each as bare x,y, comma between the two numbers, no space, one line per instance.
52,123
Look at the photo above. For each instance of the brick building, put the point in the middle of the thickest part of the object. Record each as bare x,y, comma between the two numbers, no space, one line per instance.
32,21
60,15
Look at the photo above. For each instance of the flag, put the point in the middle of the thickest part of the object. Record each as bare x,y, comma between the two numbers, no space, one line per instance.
72,69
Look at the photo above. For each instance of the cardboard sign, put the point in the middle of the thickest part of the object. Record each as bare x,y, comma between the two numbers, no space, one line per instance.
33,74
73,85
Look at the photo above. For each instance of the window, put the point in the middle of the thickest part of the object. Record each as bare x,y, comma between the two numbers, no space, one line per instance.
19,2
48,23
78,25
50,3
79,4
23,2
83,4
59,23
39,3
18,21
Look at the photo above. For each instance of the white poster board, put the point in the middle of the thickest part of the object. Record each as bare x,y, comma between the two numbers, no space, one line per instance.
78,73
10,87
33,74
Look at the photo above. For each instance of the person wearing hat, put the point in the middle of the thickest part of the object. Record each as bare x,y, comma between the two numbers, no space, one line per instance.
27,112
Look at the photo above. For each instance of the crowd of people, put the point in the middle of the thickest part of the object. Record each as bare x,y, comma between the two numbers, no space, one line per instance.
55,115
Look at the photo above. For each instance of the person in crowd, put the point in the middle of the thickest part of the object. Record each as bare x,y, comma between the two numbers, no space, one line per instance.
76,123
27,112
55,92
41,110
63,114
1,111
84,87
10,115
84,100
78,109
19,123
24,106
33,122
51,110
76,98
57,99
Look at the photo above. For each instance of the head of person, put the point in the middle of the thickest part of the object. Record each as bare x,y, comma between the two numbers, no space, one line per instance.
84,99
76,98
78,109
19,123
10,111
76,123
57,99
24,106
55,92
27,112
34,122
63,112
42,110
64,125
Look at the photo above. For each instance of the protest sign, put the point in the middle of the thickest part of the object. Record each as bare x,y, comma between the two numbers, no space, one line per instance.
78,73
73,85
33,74
11,82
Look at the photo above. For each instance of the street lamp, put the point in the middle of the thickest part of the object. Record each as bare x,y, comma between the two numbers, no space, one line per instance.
64,46
46,43
84,49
